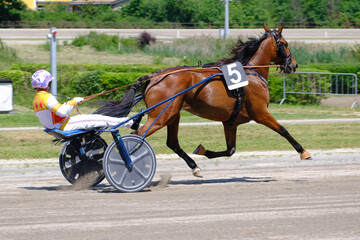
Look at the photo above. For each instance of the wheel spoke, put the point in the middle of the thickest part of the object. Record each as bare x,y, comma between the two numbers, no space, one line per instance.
138,158
126,144
97,157
73,167
123,175
115,160
72,163
139,173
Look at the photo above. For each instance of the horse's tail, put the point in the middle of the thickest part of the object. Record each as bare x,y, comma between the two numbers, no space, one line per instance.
123,107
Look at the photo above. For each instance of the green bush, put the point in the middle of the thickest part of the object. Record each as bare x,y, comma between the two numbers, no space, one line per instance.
21,79
128,45
276,88
350,67
107,43
316,53
79,41
93,82
23,91
29,67
88,83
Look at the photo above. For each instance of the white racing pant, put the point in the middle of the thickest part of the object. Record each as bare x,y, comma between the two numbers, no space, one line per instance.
94,121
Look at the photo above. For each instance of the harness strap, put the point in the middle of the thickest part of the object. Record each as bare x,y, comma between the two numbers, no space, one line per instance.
256,74
239,95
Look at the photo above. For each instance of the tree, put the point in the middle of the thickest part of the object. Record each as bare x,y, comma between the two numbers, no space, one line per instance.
10,9
135,8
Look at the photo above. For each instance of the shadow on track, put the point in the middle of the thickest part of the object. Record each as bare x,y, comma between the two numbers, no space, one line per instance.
106,188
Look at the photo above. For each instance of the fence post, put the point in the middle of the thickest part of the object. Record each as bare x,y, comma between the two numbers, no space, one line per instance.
284,90
355,100
53,67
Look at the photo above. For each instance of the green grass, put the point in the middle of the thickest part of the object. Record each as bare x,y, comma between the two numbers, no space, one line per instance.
260,138
207,49
25,117
7,56
37,144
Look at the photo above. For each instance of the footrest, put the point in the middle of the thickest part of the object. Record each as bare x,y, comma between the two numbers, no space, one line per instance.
59,134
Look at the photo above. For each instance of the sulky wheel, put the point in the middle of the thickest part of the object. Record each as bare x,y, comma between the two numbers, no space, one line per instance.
75,169
144,165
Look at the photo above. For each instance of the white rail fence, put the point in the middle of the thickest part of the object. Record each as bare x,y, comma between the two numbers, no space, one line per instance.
316,83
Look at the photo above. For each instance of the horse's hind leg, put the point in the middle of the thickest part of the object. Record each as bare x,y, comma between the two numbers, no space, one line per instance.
173,143
230,136
269,121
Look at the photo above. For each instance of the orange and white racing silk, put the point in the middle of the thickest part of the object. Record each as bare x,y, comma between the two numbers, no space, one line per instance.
50,112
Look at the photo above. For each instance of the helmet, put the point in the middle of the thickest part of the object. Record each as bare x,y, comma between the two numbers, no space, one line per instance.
41,79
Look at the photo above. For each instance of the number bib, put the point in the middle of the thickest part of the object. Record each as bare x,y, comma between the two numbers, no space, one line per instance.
234,75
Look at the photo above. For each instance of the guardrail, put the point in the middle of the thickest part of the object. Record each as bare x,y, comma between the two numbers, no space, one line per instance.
316,83
171,25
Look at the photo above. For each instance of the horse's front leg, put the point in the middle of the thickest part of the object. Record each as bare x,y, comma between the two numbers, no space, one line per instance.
173,143
269,121
230,136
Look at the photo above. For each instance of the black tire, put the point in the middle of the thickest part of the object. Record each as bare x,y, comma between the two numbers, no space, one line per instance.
74,169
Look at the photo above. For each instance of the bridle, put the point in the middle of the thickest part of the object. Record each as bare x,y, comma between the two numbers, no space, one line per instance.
280,49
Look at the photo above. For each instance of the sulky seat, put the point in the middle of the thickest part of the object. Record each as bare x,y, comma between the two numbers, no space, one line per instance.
59,134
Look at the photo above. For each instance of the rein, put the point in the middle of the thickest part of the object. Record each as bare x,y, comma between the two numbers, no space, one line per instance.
87,98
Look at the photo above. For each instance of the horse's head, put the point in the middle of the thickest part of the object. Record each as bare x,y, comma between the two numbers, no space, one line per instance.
283,57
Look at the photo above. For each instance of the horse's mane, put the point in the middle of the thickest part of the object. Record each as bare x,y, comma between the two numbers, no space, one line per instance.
243,51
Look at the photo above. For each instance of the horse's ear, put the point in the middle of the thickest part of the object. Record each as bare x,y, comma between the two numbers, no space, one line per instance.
266,28
280,28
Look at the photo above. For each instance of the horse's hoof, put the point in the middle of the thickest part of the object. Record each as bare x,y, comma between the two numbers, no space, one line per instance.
200,150
305,156
197,172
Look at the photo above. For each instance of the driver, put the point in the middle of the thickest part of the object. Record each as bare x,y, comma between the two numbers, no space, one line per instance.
52,114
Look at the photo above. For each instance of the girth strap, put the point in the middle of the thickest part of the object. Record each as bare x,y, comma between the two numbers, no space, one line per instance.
239,93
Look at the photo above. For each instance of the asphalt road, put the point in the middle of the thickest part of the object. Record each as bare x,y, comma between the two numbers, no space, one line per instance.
252,195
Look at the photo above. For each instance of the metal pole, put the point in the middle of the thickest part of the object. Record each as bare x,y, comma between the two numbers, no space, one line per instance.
284,90
226,33
53,67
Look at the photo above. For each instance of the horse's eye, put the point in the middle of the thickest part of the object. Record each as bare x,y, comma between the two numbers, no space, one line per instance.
286,44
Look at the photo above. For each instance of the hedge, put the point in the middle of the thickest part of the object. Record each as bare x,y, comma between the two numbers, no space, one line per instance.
81,79
338,67
20,78
276,88
87,79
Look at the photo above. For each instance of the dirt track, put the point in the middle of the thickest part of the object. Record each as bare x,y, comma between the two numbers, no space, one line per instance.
271,195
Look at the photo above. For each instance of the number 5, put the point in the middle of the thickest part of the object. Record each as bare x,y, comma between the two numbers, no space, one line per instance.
232,70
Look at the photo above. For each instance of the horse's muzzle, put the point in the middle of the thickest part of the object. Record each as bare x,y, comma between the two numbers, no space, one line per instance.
288,68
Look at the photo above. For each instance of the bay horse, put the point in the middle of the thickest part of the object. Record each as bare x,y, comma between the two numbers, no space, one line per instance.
212,100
